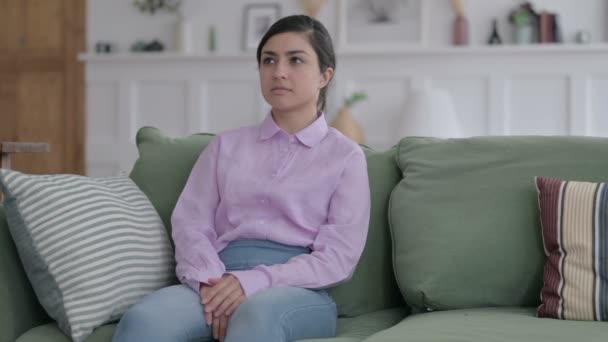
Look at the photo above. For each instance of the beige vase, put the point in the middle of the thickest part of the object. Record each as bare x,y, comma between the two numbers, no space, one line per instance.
345,123
312,7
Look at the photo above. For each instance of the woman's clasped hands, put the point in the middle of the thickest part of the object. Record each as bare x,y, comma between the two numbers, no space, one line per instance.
220,300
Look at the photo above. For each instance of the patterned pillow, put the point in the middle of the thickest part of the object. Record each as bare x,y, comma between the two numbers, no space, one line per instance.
574,217
90,247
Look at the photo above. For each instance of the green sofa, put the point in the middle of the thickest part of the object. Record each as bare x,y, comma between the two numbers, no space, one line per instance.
454,250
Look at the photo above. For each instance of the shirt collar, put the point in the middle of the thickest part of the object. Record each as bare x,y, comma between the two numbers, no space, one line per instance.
308,136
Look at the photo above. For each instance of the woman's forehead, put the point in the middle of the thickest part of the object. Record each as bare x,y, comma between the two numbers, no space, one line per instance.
288,41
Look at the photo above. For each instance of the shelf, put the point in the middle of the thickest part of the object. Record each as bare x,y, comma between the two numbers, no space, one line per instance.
476,50
551,49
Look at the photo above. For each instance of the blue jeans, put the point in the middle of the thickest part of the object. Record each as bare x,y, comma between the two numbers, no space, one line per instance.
274,315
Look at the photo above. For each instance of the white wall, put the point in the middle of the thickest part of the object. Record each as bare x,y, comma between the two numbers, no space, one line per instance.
118,21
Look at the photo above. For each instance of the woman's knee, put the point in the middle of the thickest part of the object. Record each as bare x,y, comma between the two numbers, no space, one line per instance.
170,314
286,313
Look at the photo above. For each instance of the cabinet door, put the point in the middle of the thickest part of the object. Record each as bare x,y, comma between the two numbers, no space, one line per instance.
8,106
44,27
41,119
12,35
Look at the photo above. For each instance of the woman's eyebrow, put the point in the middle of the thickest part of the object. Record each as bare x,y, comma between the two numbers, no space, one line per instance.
293,52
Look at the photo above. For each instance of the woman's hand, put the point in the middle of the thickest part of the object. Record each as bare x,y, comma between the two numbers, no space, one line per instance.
204,294
224,297
220,327
220,299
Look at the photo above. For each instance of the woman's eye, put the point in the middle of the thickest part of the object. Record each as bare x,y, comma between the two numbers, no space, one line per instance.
296,60
268,60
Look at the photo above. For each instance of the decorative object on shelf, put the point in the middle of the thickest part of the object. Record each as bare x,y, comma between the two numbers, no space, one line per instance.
583,37
138,46
345,123
152,46
184,42
430,112
557,29
494,36
461,24
531,26
257,19
104,47
153,6
312,7
212,39
524,21
381,23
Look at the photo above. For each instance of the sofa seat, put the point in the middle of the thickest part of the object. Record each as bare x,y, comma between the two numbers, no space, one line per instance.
490,324
51,333
349,329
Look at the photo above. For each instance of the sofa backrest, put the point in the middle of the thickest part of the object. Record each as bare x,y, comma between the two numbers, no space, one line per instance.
164,165
465,218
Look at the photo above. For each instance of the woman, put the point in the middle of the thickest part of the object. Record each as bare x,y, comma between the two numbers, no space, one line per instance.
270,215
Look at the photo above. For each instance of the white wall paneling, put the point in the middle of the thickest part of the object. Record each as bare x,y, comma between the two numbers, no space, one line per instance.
596,100
541,90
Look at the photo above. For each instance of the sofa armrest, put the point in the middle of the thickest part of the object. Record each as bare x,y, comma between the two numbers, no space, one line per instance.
19,308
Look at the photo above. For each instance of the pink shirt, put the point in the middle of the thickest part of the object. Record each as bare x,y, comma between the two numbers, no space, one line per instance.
310,189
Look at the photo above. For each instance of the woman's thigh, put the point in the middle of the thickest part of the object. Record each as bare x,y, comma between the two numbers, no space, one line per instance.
171,314
284,314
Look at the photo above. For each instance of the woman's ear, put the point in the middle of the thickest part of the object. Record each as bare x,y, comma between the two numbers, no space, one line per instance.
326,76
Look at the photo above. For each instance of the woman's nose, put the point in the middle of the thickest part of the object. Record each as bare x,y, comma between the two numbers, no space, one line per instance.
280,71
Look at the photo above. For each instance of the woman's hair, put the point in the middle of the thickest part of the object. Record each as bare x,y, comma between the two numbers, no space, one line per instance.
317,36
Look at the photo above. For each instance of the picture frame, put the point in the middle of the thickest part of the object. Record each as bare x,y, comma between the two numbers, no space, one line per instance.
257,19
384,24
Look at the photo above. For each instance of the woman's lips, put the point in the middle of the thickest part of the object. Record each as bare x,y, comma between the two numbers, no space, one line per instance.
280,90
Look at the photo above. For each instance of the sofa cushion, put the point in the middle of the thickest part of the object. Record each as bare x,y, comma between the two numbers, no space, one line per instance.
18,304
51,333
358,328
349,329
574,218
90,247
490,324
374,275
163,167
465,220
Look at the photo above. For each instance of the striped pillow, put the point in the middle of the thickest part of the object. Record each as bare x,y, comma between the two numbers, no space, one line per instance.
91,247
574,217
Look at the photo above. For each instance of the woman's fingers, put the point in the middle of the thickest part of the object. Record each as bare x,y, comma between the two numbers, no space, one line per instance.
231,295
223,327
214,290
232,308
216,327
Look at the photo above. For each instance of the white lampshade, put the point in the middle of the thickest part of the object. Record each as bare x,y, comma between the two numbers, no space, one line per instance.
430,112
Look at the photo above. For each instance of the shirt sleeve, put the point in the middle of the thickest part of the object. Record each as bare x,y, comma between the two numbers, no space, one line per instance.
193,222
337,246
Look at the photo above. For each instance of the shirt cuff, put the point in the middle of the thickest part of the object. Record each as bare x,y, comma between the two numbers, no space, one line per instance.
194,285
252,281
193,280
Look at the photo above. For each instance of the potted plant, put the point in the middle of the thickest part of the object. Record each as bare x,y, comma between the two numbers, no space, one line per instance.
344,121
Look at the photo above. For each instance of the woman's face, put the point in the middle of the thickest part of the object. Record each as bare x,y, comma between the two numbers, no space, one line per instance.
289,73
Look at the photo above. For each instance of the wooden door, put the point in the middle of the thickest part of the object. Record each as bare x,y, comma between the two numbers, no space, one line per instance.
42,82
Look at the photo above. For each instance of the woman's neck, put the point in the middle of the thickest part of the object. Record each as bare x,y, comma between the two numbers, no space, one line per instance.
293,122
